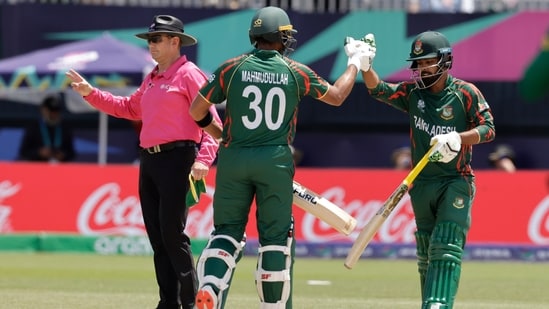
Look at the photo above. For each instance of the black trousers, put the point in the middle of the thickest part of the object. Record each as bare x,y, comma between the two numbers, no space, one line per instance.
163,184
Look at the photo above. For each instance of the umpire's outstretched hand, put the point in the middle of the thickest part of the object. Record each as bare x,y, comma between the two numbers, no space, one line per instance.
78,83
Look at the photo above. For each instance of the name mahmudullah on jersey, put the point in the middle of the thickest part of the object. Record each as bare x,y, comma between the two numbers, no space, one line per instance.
265,77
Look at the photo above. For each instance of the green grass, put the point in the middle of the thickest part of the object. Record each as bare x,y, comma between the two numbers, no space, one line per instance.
92,281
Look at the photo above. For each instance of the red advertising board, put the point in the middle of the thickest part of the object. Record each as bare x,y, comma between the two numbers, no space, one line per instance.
90,199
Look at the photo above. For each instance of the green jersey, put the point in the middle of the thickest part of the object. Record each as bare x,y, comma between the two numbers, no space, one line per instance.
262,90
459,107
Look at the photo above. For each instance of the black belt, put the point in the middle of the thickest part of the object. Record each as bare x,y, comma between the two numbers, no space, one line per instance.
169,146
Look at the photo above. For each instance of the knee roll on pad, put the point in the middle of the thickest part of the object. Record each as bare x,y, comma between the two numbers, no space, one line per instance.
268,281
443,273
447,242
226,249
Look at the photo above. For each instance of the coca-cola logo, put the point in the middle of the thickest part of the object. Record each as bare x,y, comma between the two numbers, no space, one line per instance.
105,212
7,189
5,225
399,226
538,226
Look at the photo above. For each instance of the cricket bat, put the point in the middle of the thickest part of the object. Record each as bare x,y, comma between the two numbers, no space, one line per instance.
371,228
323,209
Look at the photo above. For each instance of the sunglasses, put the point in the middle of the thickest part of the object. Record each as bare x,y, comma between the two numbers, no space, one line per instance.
156,38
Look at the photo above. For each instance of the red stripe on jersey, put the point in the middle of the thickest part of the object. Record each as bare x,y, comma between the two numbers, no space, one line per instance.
296,67
228,65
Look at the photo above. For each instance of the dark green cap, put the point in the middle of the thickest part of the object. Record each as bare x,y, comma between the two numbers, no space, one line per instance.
268,22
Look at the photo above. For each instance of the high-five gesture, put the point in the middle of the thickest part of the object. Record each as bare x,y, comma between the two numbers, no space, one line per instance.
361,52
78,83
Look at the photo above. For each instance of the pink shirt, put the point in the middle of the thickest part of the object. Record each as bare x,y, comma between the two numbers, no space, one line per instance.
162,103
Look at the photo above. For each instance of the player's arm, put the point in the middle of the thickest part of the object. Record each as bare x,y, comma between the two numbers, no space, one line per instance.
202,108
371,79
483,133
482,128
470,137
340,90
200,112
448,145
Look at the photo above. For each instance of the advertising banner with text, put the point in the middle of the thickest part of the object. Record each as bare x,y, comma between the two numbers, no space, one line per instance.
94,200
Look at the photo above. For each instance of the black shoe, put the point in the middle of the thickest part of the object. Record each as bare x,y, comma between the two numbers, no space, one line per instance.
168,306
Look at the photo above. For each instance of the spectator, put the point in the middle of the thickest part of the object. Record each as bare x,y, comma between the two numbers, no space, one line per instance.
49,139
503,158
402,158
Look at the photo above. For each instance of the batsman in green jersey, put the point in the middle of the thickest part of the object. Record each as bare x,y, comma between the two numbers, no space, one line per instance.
262,90
453,113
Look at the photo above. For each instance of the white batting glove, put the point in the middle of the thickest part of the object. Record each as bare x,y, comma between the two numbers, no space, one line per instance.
448,147
367,52
351,47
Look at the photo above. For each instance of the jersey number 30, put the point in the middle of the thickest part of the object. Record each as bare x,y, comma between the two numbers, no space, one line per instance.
255,92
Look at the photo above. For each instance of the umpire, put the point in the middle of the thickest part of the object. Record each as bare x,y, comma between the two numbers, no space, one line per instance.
173,146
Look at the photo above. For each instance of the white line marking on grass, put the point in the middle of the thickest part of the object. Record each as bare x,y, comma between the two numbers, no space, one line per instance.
319,282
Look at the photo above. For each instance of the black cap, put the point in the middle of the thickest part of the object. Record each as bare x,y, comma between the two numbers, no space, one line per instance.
53,103
502,151
166,24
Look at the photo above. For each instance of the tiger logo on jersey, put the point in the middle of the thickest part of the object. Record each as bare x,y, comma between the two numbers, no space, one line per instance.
447,113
